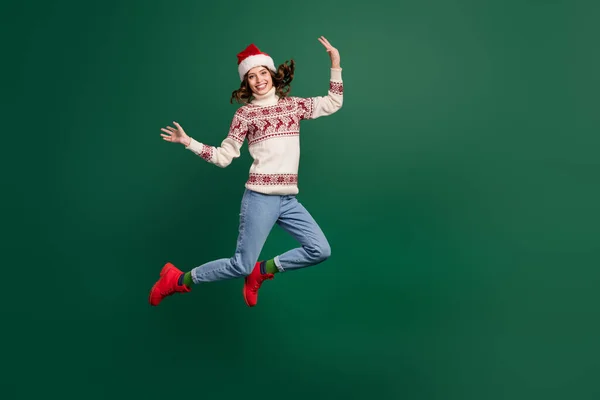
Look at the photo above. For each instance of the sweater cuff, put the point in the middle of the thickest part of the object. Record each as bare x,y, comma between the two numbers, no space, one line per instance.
336,74
194,146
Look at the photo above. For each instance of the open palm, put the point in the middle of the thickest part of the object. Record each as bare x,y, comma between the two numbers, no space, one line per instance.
334,54
174,135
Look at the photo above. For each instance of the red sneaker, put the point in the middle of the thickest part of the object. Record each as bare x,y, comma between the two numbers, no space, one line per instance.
167,284
252,283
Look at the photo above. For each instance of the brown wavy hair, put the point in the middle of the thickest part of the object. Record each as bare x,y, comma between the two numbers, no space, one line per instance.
281,81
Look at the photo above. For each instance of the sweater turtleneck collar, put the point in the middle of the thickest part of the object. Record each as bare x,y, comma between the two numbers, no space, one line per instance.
267,99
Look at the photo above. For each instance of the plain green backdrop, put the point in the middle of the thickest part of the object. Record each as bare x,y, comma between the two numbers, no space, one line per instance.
458,188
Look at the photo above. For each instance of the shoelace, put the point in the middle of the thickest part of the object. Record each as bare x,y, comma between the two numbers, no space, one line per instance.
259,282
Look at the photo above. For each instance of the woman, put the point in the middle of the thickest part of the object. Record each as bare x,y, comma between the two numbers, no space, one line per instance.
270,121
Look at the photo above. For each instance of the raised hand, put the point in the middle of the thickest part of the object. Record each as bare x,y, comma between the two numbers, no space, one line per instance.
175,135
334,54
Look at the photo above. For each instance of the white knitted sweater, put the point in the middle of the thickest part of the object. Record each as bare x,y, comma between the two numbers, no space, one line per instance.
271,125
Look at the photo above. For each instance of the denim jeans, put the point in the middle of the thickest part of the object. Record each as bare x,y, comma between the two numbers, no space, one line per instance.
259,212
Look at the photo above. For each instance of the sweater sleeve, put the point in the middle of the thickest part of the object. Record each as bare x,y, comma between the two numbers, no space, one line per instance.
320,106
230,147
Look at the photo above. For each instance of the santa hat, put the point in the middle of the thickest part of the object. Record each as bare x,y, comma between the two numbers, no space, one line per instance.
252,57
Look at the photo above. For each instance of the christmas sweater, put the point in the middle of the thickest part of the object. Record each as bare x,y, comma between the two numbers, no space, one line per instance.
271,126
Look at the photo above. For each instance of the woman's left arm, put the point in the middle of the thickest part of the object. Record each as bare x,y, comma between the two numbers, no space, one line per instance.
334,54
315,107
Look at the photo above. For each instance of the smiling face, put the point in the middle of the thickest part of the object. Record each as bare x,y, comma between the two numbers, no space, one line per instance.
260,80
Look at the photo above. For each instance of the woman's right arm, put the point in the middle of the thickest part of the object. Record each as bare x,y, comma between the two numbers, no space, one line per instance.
220,156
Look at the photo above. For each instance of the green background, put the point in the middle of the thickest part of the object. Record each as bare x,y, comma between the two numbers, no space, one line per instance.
458,187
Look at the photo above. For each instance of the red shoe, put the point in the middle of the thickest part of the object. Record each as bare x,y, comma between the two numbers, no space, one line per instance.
167,284
252,284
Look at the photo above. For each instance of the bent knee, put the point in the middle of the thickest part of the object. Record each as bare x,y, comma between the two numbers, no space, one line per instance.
325,252
320,252
242,267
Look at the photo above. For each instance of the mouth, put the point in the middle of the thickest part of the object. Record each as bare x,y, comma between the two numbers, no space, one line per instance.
261,86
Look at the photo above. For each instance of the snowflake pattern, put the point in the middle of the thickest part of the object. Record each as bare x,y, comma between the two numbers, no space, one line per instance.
272,179
207,152
336,87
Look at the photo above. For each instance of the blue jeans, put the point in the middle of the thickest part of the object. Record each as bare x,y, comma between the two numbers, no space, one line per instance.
259,212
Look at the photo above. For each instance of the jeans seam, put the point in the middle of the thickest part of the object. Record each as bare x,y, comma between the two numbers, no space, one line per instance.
212,271
243,219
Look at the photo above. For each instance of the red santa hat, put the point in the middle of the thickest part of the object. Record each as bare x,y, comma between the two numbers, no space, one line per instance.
252,57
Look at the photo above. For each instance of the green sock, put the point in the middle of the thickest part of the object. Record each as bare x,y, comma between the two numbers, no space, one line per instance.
187,279
270,267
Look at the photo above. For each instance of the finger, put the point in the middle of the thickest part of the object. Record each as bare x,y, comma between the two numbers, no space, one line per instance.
171,129
176,124
327,46
165,136
166,131
326,41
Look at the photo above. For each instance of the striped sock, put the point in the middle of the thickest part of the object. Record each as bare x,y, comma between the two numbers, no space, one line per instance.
186,279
